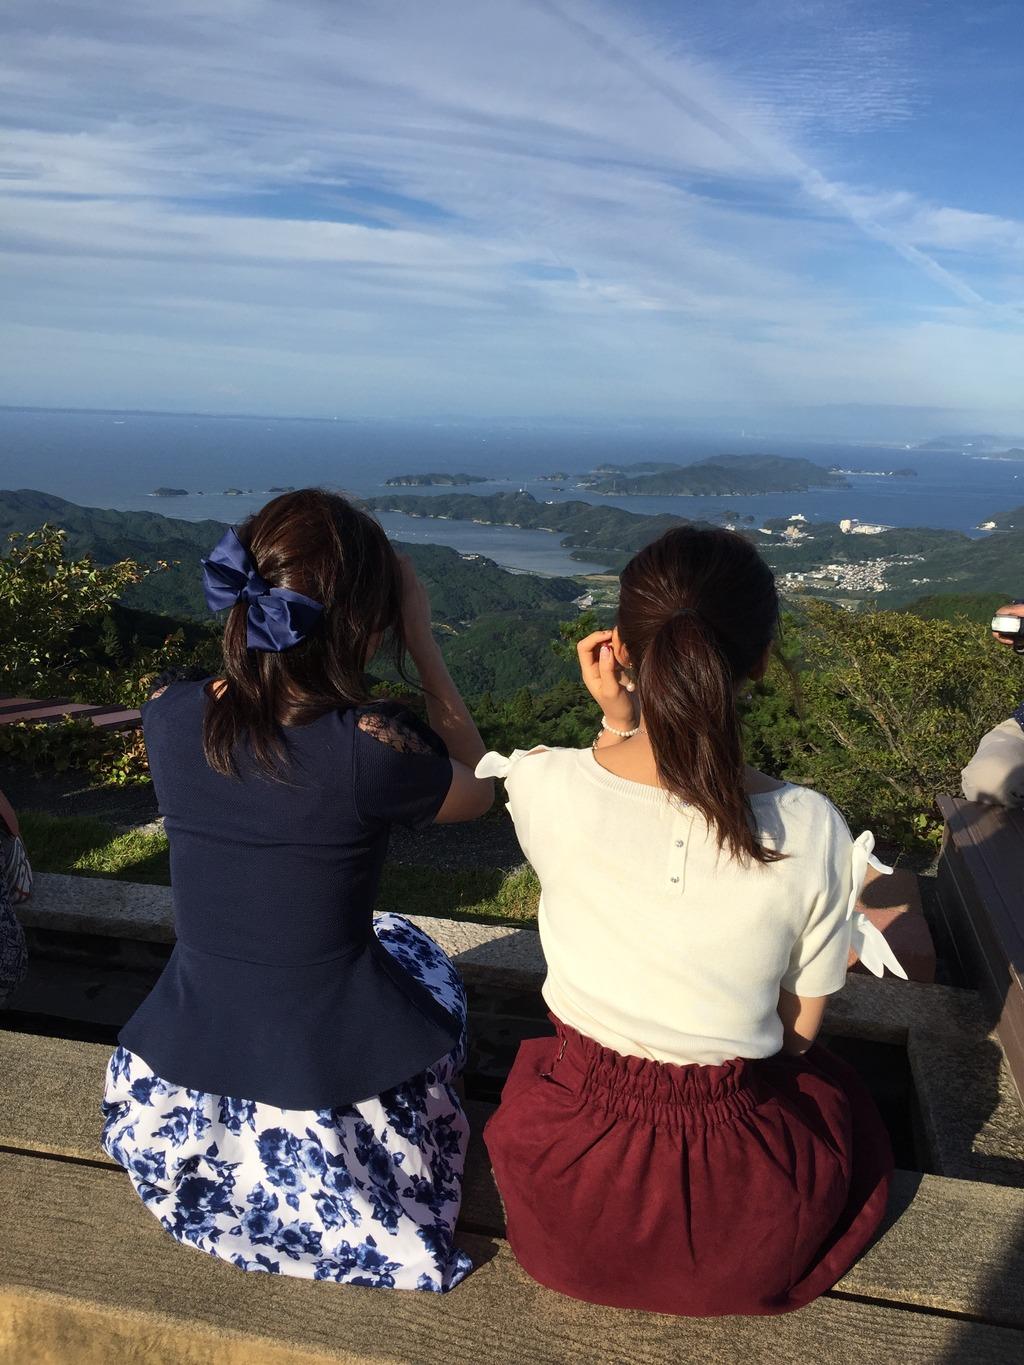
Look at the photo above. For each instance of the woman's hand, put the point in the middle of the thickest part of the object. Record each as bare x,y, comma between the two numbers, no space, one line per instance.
602,677
1011,609
415,610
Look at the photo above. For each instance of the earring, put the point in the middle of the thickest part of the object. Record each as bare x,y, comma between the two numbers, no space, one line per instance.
629,684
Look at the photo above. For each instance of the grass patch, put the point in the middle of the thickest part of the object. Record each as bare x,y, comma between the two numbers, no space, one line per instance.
91,848
467,893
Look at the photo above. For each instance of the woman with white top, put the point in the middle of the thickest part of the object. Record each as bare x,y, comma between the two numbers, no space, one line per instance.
682,1144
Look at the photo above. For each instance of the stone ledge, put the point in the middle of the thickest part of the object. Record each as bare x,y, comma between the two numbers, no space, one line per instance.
62,903
496,954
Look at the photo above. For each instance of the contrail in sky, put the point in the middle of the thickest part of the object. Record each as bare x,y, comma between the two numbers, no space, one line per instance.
811,181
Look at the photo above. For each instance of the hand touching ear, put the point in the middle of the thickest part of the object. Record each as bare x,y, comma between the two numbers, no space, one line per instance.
603,678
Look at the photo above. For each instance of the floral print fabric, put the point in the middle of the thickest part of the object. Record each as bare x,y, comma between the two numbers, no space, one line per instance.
364,1194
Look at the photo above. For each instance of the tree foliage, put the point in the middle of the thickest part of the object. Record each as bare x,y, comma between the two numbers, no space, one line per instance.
66,638
47,603
887,710
880,710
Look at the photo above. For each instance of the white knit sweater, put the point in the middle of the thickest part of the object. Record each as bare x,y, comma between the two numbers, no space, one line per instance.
660,946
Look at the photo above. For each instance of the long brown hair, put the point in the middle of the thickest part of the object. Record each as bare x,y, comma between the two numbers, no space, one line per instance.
697,611
321,545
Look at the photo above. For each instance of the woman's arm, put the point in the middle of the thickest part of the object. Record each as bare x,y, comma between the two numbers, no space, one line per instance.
469,796
801,1017
996,771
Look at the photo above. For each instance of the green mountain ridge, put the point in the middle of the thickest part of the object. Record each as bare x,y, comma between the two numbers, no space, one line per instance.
949,560
460,589
497,627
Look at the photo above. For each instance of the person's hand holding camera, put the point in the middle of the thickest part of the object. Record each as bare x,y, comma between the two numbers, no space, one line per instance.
1008,625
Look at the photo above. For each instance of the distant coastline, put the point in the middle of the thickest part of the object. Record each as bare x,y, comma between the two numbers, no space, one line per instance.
227,492
432,480
875,473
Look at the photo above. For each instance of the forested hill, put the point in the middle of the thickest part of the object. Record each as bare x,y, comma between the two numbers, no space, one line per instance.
460,590
599,529
722,475
914,560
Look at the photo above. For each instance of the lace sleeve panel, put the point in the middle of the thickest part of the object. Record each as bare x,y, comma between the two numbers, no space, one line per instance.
401,768
401,731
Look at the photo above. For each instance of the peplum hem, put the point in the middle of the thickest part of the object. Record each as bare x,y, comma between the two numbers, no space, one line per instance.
339,1031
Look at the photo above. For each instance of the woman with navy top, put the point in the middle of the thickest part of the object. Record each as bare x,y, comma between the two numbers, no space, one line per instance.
682,1144
284,1098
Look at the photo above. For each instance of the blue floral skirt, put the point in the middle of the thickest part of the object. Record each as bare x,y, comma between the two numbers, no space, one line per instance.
364,1194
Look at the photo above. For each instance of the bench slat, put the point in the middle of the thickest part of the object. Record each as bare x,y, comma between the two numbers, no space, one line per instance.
80,1253
950,1244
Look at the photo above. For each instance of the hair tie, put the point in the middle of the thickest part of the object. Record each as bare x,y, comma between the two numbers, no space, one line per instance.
277,618
686,611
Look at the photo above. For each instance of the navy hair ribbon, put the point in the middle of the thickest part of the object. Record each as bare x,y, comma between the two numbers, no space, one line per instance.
277,618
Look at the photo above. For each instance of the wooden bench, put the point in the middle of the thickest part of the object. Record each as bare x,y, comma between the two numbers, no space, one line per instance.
14,710
981,904
88,1276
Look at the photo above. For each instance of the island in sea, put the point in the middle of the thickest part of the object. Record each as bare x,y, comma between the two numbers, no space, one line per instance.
169,493
431,480
907,473
719,475
1014,453
637,467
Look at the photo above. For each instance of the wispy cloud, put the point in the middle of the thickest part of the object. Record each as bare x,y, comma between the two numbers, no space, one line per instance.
554,205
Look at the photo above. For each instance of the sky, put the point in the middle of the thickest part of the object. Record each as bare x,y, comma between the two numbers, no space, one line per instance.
804,214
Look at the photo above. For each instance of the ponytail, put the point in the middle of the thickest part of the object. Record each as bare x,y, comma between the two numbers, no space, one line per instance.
689,661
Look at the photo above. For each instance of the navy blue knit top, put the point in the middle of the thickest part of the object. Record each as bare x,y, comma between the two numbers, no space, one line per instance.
277,989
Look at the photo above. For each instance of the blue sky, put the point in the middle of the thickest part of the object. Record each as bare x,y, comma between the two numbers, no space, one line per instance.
776,211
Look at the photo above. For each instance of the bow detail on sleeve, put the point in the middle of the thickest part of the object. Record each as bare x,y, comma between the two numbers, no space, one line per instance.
866,939
276,618
494,764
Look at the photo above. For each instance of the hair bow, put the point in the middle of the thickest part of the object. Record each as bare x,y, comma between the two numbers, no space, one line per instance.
277,618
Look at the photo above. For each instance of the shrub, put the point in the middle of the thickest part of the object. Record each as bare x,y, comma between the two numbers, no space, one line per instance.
890,708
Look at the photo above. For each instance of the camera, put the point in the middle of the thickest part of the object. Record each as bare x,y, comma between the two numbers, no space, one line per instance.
1011,625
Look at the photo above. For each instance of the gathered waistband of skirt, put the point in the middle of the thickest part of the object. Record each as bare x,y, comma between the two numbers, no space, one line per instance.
651,1091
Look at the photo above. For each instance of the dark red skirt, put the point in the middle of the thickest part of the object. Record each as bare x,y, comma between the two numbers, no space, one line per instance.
749,1187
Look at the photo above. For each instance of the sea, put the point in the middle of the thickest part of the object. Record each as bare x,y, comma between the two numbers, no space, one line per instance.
116,460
